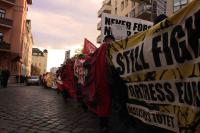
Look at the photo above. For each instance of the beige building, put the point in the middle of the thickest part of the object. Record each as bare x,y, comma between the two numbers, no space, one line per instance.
39,59
142,9
12,26
174,5
27,47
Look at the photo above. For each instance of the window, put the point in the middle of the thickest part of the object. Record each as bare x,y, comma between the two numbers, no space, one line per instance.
1,37
126,3
132,13
178,4
2,13
122,5
116,10
133,3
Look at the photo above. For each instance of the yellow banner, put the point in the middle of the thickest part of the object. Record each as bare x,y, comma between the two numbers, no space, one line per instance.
162,70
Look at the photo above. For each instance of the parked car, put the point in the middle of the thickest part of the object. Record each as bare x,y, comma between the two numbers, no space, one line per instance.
33,80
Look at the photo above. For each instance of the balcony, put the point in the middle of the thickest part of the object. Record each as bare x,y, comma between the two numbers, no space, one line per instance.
99,39
5,46
99,26
8,2
104,9
107,2
6,23
143,11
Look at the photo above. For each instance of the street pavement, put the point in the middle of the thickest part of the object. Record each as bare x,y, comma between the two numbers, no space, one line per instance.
34,109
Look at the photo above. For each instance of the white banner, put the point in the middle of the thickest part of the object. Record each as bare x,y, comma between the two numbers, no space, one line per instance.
122,27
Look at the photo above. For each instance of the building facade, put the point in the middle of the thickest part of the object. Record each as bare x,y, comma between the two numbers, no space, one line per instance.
142,9
130,8
39,59
67,56
175,5
12,25
27,48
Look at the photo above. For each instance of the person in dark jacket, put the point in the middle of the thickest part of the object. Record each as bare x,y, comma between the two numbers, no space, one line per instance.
104,120
5,76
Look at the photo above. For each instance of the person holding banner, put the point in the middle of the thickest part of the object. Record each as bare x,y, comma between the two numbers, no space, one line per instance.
104,120
96,90
109,39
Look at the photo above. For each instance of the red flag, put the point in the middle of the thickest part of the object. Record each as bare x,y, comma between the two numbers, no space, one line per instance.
88,47
96,93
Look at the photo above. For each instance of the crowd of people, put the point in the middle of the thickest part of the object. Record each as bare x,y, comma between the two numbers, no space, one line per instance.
19,73
85,78
96,84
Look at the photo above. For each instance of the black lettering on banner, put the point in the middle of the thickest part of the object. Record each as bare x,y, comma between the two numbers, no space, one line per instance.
107,21
132,92
145,89
188,93
152,92
123,22
140,113
170,97
145,27
128,25
138,91
179,87
113,21
170,121
163,119
196,87
156,50
120,69
118,21
161,95
160,119
140,27
126,55
128,33
107,30
152,117
135,25
137,66
166,49
180,51
132,60
194,33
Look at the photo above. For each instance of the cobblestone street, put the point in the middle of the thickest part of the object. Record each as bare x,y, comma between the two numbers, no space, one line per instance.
34,109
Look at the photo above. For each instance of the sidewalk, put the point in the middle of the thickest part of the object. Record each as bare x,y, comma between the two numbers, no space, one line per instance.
16,85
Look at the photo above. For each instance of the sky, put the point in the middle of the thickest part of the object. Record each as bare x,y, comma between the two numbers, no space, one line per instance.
60,25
